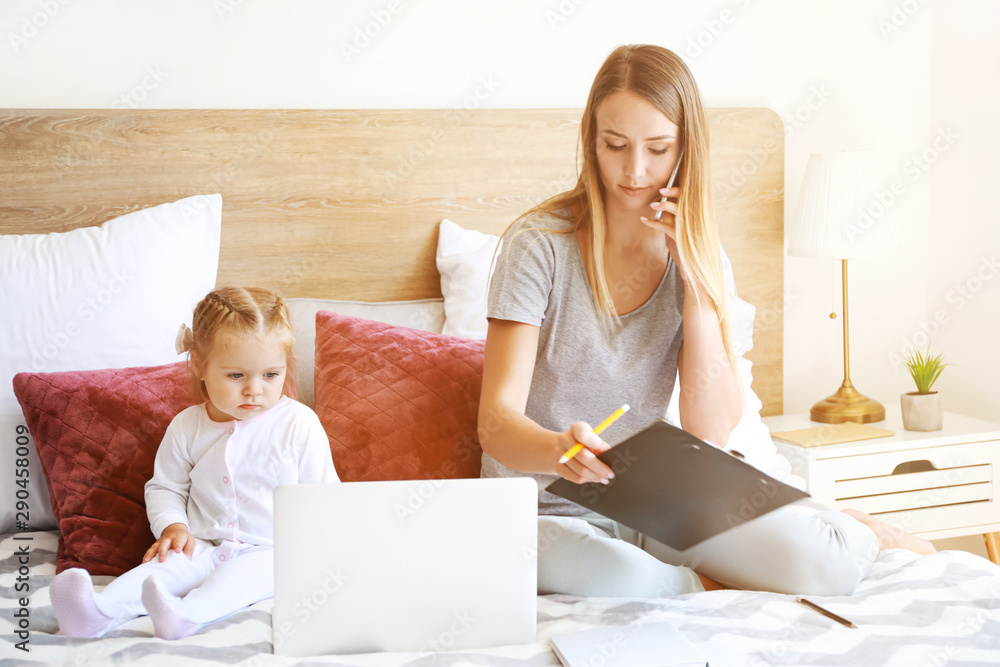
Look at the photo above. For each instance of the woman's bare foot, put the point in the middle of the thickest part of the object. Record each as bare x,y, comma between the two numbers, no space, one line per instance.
892,538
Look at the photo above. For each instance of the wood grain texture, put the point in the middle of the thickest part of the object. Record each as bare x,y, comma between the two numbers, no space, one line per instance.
345,204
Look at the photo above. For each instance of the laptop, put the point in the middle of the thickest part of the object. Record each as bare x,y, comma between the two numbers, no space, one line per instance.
424,565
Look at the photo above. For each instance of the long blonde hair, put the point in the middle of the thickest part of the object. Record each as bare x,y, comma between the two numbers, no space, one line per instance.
244,311
660,77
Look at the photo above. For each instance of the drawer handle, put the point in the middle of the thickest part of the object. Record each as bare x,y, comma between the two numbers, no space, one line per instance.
907,467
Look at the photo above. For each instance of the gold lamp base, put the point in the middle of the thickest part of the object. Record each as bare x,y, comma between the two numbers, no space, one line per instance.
847,405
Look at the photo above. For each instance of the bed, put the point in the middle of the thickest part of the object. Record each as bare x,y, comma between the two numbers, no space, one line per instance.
343,211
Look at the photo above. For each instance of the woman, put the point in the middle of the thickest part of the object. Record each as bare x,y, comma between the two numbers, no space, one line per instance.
594,303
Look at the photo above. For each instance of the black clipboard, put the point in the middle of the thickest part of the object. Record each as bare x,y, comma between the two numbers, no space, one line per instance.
677,489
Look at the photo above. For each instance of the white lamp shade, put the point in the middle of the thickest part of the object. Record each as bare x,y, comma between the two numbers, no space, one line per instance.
840,213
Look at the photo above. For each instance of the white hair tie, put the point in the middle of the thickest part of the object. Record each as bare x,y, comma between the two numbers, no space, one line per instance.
185,338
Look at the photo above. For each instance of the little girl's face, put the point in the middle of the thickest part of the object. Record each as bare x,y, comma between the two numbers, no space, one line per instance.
243,377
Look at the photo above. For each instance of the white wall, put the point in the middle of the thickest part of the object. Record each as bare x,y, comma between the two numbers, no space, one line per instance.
963,296
842,73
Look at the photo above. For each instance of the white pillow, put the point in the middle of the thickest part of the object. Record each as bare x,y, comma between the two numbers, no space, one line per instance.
424,314
461,255
464,260
110,296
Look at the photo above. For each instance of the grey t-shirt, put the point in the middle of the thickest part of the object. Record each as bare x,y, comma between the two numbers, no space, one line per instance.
580,373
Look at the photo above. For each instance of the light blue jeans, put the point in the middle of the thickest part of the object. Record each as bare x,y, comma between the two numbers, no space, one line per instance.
802,548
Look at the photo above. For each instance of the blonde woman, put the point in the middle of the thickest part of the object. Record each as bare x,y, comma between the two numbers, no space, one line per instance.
595,303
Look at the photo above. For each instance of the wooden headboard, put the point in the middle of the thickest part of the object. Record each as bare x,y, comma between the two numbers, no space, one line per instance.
345,204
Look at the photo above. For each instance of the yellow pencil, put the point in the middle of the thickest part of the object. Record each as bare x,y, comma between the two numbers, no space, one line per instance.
575,449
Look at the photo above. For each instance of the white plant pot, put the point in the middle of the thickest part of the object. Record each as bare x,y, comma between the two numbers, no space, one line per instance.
922,412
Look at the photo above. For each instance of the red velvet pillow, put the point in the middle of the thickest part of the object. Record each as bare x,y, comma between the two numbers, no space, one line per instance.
397,403
96,433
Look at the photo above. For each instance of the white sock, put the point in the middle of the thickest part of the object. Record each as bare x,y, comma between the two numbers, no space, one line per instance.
73,601
163,609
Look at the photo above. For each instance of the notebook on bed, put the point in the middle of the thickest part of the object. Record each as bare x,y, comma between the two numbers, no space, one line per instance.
429,565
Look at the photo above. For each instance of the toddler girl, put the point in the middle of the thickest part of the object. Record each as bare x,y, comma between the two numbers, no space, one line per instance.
210,500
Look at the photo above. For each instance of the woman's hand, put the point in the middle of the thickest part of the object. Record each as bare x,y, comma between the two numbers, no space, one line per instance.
669,229
176,537
585,466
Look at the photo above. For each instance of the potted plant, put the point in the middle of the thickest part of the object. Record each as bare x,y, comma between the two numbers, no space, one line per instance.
923,409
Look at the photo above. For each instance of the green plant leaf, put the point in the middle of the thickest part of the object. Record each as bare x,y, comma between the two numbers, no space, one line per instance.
924,369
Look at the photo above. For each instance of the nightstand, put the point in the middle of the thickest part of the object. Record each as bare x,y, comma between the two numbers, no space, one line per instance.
936,484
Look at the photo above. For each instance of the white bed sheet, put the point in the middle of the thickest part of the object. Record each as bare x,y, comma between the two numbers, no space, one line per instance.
942,609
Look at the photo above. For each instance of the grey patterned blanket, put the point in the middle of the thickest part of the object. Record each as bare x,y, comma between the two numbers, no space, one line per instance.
911,611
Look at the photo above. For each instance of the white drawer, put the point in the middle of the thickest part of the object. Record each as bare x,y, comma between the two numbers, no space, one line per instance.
918,490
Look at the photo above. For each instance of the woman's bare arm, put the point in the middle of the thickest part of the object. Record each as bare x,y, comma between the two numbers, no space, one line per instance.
710,403
509,436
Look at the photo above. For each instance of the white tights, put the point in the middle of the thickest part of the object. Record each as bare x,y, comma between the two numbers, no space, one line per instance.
215,582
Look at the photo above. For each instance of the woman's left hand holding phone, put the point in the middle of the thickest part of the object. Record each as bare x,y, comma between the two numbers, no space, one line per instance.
668,227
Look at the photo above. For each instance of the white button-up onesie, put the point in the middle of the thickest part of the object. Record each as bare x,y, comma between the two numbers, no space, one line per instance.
218,478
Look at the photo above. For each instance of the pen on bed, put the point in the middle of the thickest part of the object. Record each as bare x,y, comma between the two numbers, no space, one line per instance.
575,449
826,612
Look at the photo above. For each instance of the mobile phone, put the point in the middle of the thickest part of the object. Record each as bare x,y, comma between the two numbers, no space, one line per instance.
670,183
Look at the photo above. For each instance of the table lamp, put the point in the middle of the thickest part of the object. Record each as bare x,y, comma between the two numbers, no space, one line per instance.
840,217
